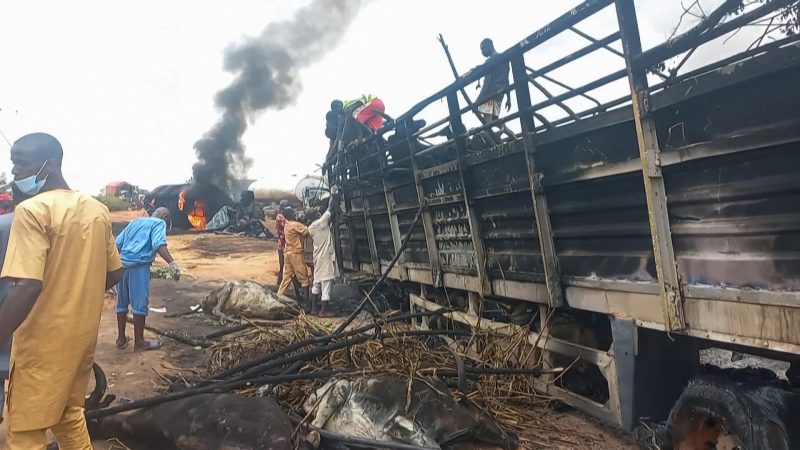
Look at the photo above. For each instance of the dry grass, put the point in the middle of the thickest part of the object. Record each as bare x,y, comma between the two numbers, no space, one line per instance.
511,399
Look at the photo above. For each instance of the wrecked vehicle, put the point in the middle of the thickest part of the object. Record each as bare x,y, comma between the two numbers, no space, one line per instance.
244,217
249,299
190,205
665,213
376,408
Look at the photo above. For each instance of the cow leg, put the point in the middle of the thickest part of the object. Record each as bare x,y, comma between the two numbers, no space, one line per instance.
403,429
332,400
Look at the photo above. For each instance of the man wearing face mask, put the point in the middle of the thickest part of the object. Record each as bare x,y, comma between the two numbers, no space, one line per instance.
61,258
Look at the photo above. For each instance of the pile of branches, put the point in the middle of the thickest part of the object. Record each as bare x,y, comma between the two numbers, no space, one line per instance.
494,372
289,360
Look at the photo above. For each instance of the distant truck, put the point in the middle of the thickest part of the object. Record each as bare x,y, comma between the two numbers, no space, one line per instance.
311,190
123,190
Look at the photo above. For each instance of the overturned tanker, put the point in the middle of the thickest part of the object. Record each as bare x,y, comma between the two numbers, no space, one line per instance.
631,221
190,205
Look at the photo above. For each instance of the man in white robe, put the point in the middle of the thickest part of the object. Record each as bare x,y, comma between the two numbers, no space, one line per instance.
324,257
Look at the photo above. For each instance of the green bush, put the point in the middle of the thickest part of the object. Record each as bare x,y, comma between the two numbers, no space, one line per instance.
113,203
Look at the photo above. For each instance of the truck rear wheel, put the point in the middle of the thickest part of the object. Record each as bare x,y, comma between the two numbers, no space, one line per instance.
717,414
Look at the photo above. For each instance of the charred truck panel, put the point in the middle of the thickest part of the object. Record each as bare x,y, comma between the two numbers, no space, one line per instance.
673,209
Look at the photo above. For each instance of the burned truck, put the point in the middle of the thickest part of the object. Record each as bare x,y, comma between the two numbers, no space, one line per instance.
191,205
629,237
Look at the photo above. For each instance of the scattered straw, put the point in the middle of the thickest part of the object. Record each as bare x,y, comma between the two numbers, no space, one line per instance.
510,399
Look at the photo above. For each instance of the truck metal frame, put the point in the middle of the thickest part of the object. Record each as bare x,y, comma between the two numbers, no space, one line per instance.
673,210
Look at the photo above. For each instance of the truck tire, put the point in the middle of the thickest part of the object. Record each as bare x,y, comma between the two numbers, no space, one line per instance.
715,413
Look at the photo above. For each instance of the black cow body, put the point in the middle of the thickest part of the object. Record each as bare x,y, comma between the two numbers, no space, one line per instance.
203,422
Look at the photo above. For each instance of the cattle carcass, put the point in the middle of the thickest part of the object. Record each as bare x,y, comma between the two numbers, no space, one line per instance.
249,299
203,422
375,408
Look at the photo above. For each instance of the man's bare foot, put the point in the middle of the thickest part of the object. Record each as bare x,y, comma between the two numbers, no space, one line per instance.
325,314
147,345
122,342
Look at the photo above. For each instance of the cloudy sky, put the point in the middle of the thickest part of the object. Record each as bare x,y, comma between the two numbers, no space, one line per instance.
128,87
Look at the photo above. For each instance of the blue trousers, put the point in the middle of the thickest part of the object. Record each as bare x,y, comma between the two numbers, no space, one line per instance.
134,290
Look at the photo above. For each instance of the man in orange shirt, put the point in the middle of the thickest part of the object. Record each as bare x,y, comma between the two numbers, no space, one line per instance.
293,264
280,224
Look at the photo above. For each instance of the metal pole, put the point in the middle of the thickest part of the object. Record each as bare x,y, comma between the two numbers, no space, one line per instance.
552,272
427,220
666,266
474,223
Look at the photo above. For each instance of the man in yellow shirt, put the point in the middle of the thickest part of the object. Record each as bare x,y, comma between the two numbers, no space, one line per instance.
61,257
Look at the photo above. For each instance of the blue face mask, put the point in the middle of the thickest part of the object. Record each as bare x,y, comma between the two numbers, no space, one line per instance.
29,185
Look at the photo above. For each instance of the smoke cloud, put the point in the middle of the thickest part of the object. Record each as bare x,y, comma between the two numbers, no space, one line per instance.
267,77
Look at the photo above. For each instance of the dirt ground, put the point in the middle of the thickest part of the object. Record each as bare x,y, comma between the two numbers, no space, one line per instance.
212,259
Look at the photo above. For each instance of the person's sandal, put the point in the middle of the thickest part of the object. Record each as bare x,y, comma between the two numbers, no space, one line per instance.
124,344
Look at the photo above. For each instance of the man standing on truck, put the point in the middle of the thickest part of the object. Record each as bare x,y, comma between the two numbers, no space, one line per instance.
138,245
61,258
489,101
332,119
324,256
360,116
293,264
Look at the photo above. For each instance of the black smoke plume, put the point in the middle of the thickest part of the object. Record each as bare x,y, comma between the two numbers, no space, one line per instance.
267,77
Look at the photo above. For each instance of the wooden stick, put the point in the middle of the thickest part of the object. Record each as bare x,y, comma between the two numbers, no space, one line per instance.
174,334
227,331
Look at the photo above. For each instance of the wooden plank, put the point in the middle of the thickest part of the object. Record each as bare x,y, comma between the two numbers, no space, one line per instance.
397,237
394,225
597,357
541,211
650,155
438,201
435,171
754,296
763,138
427,222
348,212
373,248
472,216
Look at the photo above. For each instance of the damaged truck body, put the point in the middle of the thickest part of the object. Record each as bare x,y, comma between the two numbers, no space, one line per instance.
663,222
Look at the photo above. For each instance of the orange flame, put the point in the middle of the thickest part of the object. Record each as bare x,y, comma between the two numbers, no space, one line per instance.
197,217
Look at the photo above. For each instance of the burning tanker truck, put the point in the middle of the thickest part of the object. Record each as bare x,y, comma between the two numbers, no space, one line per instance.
191,205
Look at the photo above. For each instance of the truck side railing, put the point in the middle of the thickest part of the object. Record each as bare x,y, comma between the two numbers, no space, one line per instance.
635,65
504,220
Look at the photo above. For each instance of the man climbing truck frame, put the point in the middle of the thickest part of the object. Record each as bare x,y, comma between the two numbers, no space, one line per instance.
641,233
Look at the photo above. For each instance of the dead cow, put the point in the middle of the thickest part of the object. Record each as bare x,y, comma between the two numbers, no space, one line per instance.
249,299
203,422
375,408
